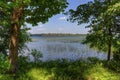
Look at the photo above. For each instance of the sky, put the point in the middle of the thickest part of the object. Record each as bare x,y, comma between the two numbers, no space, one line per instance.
59,23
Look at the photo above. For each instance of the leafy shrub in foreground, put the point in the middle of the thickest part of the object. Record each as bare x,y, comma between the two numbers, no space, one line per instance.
4,63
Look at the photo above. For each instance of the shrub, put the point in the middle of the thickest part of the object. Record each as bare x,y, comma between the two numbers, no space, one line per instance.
4,63
37,55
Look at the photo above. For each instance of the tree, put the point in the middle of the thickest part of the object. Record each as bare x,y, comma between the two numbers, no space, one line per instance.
24,37
15,13
103,19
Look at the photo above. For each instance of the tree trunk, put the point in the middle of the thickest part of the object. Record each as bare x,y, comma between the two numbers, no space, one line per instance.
13,51
109,51
109,44
14,39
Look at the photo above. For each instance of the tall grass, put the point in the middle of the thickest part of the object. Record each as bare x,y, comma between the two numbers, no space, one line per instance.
92,69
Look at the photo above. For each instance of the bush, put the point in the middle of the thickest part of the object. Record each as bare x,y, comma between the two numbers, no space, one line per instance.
4,63
93,60
116,56
37,55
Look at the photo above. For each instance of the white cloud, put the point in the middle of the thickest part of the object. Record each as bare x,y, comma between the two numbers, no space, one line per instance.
37,30
63,18
40,25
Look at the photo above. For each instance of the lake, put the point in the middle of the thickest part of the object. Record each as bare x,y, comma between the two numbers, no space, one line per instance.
69,47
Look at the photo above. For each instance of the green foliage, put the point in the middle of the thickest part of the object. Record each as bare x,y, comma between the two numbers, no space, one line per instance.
113,65
93,60
91,69
63,70
96,40
4,63
93,10
116,56
37,55
34,11
24,37
16,13
4,40
98,72
103,18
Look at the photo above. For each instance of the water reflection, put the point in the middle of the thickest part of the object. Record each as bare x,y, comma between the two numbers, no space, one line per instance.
53,49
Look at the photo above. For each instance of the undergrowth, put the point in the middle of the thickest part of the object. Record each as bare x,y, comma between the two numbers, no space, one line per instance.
91,69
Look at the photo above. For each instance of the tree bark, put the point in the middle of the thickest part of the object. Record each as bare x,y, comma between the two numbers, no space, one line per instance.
109,44
13,51
109,51
14,39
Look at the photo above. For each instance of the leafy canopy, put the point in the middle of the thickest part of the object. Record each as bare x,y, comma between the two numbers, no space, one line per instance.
34,11
103,17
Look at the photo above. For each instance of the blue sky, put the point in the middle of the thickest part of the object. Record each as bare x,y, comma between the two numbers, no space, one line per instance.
59,24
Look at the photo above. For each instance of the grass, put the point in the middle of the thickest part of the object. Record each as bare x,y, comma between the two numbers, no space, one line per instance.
92,69
98,72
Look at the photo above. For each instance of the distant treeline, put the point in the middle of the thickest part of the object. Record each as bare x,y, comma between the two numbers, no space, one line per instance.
57,34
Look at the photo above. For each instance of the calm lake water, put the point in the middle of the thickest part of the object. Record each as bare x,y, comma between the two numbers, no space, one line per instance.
63,48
